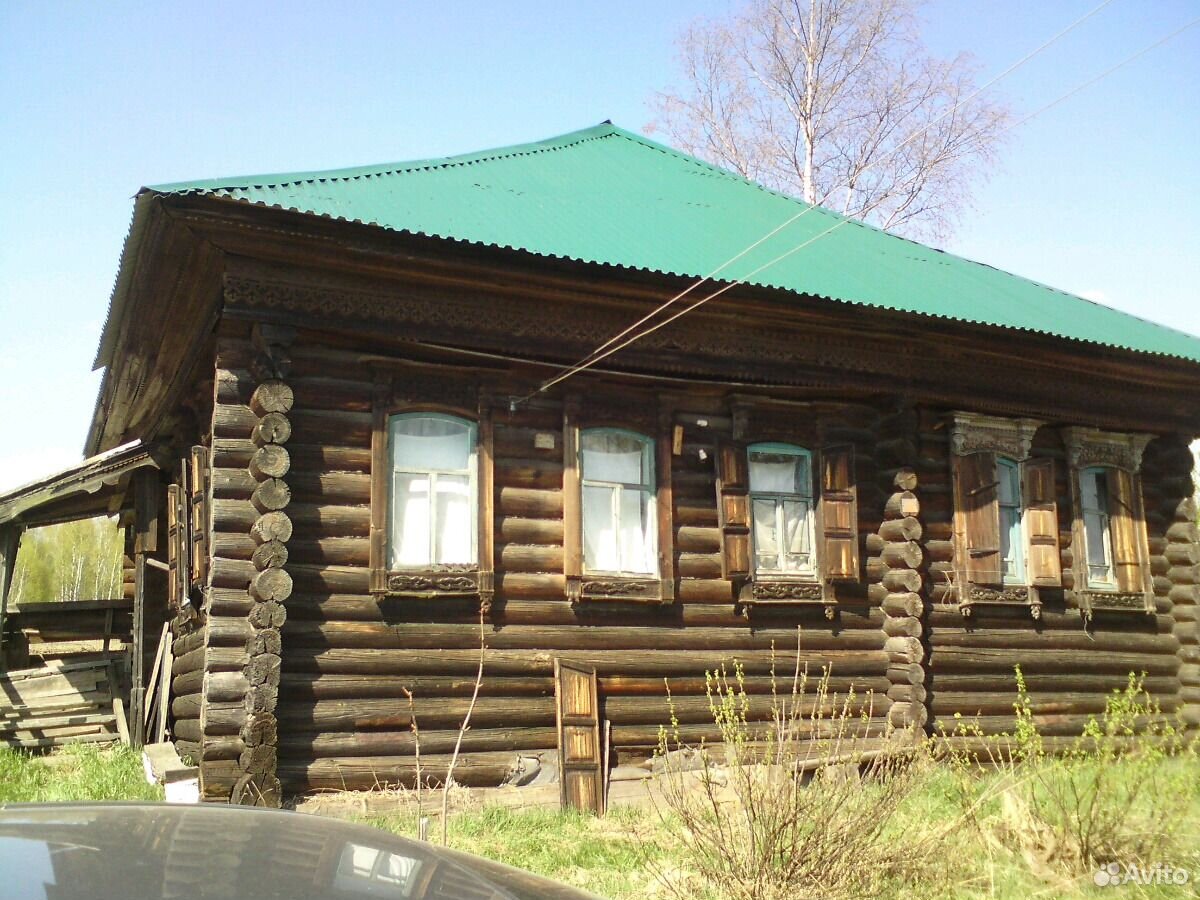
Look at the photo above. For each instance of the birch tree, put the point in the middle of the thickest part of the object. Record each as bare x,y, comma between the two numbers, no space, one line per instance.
821,99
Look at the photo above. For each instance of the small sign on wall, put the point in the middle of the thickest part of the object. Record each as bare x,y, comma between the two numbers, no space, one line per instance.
544,440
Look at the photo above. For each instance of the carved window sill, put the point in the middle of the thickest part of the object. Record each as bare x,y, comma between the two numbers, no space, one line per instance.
440,583
1092,602
617,589
773,593
1011,596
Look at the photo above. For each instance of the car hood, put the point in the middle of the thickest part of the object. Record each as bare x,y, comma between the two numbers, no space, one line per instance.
123,850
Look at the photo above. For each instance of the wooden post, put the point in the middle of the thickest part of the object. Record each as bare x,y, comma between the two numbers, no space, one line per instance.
146,494
10,539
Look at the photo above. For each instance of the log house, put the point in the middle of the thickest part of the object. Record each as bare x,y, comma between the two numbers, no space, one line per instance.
903,458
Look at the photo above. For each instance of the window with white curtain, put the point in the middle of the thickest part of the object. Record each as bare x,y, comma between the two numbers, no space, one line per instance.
781,505
1012,541
1097,531
620,534
433,495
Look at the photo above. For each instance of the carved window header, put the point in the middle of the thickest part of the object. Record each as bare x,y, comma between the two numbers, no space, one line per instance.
1093,447
977,433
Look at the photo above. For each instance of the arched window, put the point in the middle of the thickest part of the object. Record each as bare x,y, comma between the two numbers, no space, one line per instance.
1012,542
1097,527
433,513
620,534
781,503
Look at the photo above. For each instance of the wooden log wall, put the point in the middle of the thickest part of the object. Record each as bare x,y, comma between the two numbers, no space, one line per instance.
343,719
302,675
1070,666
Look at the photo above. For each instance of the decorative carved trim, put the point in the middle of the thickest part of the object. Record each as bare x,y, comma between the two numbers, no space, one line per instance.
1093,447
975,433
591,588
444,580
785,590
1091,602
616,588
980,595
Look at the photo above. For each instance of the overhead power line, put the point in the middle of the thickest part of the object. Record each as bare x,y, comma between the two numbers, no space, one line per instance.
608,349
582,363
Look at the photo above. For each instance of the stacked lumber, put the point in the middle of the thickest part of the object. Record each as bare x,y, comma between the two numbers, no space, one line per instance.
59,704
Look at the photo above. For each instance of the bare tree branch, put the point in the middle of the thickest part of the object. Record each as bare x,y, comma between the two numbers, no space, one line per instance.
821,98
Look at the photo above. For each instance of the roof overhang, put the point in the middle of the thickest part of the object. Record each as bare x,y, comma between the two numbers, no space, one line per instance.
94,487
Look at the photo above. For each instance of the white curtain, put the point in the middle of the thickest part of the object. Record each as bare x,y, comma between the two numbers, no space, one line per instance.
619,533
779,473
433,514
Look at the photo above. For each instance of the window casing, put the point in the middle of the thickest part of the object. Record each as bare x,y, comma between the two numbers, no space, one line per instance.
1011,508
618,503
782,511
433,505
431,535
1097,528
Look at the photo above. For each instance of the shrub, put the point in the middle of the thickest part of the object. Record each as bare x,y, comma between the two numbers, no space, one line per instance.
805,804
1116,794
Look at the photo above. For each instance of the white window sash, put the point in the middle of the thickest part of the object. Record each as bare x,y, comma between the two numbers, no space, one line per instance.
649,526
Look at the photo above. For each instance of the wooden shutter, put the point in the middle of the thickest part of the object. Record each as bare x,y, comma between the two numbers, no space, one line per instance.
1041,522
177,545
839,515
978,503
1127,531
733,509
199,487
581,761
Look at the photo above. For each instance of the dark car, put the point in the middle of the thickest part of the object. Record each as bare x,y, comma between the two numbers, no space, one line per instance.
136,851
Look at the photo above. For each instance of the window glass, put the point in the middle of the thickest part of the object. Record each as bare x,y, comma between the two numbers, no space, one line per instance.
433,504
781,503
1093,495
619,533
1012,544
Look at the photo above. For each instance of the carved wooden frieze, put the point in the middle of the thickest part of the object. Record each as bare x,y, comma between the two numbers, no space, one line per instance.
982,595
1093,447
1091,602
449,581
784,590
767,594
977,433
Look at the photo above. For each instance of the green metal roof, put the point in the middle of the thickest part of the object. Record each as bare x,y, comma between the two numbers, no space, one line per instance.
605,195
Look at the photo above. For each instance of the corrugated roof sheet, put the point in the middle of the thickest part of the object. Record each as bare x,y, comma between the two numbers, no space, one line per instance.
606,195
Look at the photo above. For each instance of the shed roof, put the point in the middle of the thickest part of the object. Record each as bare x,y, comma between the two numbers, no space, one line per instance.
91,487
605,195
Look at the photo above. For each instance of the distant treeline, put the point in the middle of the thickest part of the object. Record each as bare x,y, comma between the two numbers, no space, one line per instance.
73,561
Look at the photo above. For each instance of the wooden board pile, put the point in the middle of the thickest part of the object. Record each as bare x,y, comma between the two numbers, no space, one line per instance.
59,704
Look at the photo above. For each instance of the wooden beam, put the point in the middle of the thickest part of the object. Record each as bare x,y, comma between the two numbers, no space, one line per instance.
10,540
147,493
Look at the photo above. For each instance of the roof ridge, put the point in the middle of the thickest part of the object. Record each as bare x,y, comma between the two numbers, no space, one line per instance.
352,173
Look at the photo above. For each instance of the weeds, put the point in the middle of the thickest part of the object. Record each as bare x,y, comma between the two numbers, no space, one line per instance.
803,805
1117,794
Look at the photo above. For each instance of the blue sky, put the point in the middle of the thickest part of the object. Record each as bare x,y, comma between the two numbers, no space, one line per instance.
1097,196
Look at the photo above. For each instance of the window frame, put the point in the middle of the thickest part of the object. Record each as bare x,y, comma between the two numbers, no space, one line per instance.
1018,556
471,471
649,417
811,574
649,488
401,394
1109,583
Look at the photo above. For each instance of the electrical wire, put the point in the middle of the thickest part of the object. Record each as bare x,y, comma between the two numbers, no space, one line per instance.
597,357
893,152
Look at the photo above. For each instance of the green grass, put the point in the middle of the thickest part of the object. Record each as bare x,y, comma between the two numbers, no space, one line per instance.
623,855
610,857
74,773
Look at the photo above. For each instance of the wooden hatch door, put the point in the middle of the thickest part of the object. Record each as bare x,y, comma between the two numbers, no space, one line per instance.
580,760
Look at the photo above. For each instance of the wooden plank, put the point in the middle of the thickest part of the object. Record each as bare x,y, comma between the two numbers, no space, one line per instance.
164,692
155,670
38,724
10,539
122,722
580,757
